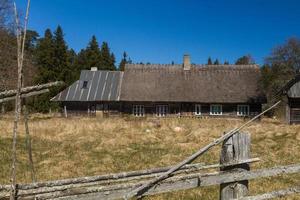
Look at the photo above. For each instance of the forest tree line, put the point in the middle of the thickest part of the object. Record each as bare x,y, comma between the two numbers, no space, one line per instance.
49,58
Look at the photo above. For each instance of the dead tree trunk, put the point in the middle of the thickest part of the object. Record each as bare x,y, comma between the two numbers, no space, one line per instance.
235,149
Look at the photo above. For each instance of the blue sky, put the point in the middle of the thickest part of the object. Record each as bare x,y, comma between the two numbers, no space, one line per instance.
161,31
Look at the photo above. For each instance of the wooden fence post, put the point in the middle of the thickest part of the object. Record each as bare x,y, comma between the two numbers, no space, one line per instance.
235,149
65,111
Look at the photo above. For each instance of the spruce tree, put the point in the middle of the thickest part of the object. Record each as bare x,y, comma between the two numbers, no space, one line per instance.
44,55
91,56
107,59
123,62
209,61
54,64
44,58
216,62
112,61
74,74
61,67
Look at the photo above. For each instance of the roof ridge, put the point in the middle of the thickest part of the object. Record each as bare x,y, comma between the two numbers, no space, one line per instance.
194,66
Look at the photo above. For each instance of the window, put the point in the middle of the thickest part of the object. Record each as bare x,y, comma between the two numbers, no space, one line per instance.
161,110
216,109
92,109
138,110
197,109
85,84
105,108
243,110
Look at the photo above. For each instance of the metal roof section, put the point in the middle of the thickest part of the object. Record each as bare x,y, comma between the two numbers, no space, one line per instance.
100,86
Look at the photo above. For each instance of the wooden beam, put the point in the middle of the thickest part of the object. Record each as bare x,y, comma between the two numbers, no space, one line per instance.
10,93
117,191
126,176
26,95
237,147
65,111
274,194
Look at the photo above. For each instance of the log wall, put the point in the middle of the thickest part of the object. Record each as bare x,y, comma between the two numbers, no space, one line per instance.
174,109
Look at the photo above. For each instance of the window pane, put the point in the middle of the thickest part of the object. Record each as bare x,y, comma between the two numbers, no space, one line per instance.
198,109
216,109
138,110
161,110
243,110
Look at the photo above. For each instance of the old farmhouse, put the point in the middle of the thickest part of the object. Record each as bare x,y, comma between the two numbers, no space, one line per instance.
166,90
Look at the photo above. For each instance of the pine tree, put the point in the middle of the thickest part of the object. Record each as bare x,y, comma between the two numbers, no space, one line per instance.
216,62
107,59
54,63
74,74
112,61
62,67
123,62
209,61
226,63
91,56
44,54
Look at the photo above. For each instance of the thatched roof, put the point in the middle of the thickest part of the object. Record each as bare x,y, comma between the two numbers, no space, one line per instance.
202,83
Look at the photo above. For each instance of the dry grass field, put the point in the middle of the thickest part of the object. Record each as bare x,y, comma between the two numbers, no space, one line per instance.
65,148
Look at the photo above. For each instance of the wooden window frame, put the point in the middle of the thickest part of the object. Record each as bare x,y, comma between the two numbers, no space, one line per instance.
158,110
238,113
200,108
85,84
138,110
212,105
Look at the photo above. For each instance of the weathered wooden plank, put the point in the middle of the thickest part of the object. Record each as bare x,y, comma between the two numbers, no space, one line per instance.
235,148
121,177
140,190
25,95
172,184
274,194
10,93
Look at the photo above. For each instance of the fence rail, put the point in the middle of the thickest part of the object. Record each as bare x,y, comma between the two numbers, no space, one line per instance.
109,189
30,89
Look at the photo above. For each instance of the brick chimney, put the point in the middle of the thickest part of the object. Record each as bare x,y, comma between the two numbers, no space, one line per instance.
93,69
186,62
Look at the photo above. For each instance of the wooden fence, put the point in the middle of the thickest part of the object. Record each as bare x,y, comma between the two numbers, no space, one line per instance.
232,177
